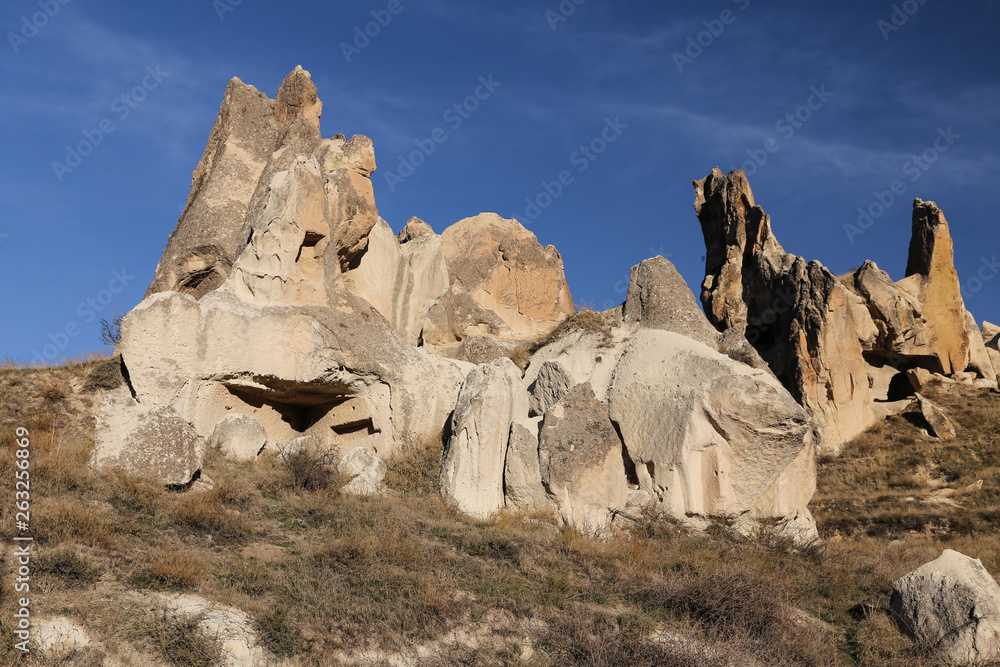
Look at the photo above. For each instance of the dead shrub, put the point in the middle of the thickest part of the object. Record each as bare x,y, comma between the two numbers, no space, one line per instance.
182,642
54,391
174,569
277,632
205,512
66,520
68,565
105,374
577,637
743,606
416,470
311,471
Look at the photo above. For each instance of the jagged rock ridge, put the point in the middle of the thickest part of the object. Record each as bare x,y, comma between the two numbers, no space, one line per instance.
841,346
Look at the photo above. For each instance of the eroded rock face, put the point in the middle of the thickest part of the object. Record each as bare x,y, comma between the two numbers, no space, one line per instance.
582,466
275,335
898,316
953,605
298,97
931,268
658,298
239,436
796,314
483,277
402,281
213,228
160,444
503,283
522,476
472,469
254,140
707,435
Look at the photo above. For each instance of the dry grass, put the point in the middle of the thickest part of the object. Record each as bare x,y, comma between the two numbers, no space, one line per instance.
322,574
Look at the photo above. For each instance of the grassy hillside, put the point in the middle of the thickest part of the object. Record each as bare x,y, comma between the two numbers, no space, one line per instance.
330,579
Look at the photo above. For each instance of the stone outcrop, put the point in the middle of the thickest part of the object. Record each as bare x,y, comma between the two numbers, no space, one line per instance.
796,314
483,278
706,435
581,460
402,281
472,469
931,277
503,284
898,316
953,605
941,426
624,412
274,333
659,298
842,347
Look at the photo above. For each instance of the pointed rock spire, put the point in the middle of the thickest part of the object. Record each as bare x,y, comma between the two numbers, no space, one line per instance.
298,96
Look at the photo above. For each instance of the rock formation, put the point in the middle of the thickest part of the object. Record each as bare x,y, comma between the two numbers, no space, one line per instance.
249,313
635,409
796,314
483,277
953,605
843,347
286,315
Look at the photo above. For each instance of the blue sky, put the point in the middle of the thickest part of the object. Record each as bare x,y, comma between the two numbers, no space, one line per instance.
86,238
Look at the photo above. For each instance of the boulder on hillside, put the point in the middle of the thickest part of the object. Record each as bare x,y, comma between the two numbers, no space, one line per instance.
154,442
239,436
940,426
953,605
364,471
